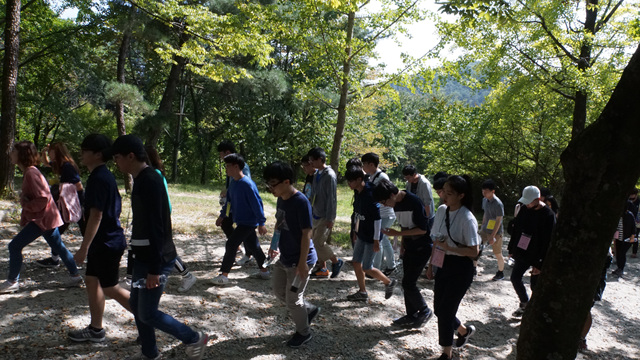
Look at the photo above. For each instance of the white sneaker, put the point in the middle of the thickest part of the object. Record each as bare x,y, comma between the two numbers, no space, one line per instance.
186,283
9,287
220,280
244,260
74,281
196,350
262,275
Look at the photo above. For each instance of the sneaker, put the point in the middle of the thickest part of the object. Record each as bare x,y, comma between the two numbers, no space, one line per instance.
220,280
499,276
313,313
444,357
335,268
423,317
388,272
520,311
74,281
322,273
48,263
462,339
358,296
262,275
87,334
244,260
405,321
187,282
195,351
9,287
298,340
633,256
388,289
617,272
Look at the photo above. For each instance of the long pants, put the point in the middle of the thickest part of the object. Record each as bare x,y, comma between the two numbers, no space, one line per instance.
144,305
452,282
386,250
227,228
299,309
179,264
242,234
622,248
320,234
517,273
25,237
413,263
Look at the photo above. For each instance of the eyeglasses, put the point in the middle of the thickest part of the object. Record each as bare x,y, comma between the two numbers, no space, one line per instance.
271,186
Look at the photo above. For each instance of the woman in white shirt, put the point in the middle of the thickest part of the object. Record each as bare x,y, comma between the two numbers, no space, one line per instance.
456,243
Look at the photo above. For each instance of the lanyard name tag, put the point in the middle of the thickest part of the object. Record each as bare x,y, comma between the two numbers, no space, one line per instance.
437,257
524,241
491,225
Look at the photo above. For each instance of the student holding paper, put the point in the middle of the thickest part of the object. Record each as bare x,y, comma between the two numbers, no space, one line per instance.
491,232
530,241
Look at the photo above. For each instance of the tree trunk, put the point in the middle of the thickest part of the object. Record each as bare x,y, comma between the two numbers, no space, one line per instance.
600,169
165,109
120,75
580,102
9,94
344,93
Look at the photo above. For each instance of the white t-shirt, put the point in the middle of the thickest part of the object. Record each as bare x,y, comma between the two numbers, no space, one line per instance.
386,212
463,227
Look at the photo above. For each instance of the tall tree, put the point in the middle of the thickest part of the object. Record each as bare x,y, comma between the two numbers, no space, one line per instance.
9,94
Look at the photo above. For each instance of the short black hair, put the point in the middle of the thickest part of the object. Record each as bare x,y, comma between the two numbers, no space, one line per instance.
545,192
384,190
409,170
318,153
98,143
278,170
354,173
372,158
235,159
488,184
439,179
354,162
130,144
305,159
226,145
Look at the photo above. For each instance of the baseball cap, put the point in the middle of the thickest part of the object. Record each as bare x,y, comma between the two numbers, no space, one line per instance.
529,194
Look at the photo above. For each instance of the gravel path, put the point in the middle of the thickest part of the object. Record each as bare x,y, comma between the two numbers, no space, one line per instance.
246,322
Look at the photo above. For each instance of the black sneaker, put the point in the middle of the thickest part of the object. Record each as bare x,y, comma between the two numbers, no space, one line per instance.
462,340
520,311
423,317
48,263
388,289
405,321
444,357
87,334
358,296
335,268
298,340
388,272
499,276
313,313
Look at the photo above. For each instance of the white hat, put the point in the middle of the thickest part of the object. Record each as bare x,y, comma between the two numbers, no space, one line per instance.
529,194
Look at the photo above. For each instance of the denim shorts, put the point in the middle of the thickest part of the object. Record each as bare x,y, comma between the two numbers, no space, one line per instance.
363,253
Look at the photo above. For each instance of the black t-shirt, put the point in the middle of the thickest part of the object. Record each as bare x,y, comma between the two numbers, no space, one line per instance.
410,214
366,212
151,237
102,193
292,216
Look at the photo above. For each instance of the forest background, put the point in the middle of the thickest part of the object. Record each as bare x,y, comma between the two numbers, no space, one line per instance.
279,77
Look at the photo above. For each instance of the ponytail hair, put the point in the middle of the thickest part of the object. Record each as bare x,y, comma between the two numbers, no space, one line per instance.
462,185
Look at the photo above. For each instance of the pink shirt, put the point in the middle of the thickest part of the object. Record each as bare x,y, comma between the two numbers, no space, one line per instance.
37,203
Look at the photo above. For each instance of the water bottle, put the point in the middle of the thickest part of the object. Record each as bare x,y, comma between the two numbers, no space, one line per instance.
271,261
142,282
296,284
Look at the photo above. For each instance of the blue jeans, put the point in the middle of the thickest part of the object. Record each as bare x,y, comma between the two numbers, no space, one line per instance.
386,250
25,237
144,305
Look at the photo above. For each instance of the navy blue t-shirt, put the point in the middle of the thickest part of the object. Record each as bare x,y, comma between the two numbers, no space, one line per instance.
410,214
292,216
367,211
102,193
69,174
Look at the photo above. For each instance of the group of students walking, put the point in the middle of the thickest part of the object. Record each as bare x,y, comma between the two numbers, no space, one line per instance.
444,244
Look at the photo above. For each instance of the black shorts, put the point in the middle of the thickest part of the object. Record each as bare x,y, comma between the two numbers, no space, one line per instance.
105,265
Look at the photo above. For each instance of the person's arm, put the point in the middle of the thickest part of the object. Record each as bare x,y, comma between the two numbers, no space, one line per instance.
409,232
257,208
305,241
93,223
35,192
332,204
